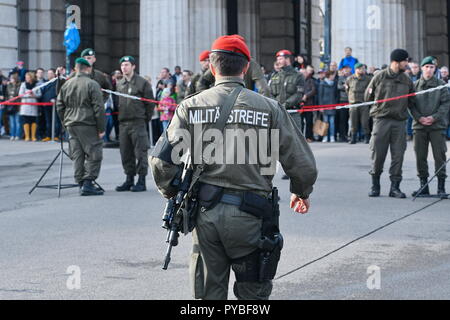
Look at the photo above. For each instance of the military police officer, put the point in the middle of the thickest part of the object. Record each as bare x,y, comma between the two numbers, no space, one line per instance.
430,123
389,121
356,86
288,85
204,62
81,110
227,232
133,118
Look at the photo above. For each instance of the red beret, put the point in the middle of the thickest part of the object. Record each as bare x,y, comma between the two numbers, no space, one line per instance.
284,53
233,45
204,55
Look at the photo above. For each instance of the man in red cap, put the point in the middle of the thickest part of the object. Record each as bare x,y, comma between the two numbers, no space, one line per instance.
254,78
288,87
204,62
237,218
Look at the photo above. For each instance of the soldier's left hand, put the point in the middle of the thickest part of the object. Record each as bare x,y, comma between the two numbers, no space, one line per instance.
101,135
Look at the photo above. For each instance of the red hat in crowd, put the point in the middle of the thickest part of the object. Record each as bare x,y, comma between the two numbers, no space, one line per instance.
20,63
284,53
233,45
204,55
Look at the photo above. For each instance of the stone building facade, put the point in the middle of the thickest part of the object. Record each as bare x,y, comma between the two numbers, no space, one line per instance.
165,33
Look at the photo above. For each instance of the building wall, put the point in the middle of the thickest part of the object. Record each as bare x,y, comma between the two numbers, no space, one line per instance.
276,29
8,34
437,30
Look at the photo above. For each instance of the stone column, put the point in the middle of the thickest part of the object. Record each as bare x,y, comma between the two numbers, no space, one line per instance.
373,28
415,29
248,25
174,32
8,35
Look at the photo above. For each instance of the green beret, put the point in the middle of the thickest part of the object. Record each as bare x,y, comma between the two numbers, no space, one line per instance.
88,52
359,65
429,60
82,61
128,59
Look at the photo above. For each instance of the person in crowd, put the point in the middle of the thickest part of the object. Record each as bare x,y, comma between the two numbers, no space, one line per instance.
348,60
166,108
308,100
444,74
29,112
13,112
333,68
300,62
183,85
49,96
178,75
343,115
329,94
20,70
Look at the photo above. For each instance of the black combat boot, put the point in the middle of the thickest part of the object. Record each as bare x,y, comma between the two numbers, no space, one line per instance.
354,139
89,189
441,188
395,191
126,186
285,177
425,191
140,185
376,188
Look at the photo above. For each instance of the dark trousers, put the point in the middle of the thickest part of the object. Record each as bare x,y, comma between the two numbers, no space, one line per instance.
342,117
134,145
422,140
307,125
86,152
388,134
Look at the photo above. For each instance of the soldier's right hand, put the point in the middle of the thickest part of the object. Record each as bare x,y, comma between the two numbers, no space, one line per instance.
101,135
300,205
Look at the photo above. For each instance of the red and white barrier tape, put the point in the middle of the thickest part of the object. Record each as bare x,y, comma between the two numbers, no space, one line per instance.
28,92
351,106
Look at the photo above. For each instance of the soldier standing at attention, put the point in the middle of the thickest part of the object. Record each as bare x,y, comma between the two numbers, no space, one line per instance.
81,110
227,232
133,118
288,85
356,86
390,121
430,124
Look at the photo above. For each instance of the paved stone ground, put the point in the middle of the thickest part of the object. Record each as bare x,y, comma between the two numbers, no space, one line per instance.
118,244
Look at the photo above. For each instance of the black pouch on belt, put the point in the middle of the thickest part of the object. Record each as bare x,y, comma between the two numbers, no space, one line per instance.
256,205
209,196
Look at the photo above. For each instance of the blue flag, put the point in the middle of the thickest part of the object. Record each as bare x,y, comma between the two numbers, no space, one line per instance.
71,39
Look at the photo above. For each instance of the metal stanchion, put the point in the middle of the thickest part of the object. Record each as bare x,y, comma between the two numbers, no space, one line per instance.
53,121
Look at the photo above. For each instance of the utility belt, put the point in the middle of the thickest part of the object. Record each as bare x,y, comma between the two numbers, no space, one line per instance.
210,196
262,264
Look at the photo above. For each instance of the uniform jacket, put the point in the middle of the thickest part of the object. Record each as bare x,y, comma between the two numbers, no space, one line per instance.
356,87
388,84
435,104
80,103
288,87
131,110
343,96
97,76
251,111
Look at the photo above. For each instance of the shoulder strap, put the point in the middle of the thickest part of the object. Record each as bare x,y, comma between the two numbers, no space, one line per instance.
227,108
